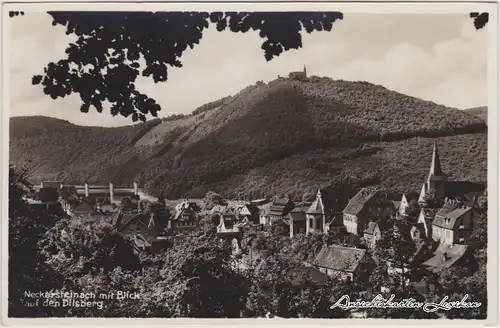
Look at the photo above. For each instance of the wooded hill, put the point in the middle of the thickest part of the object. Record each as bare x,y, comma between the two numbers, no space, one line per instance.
285,137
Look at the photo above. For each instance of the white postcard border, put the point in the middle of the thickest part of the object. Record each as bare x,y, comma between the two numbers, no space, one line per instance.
432,6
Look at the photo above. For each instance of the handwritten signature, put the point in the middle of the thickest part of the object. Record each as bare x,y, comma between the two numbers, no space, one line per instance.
379,301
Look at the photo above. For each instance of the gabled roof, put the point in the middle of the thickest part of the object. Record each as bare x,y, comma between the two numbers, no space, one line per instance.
326,202
448,215
446,256
280,207
218,209
421,197
358,202
340,258
403,205
128,218
299,212
249,209
141,241
179,215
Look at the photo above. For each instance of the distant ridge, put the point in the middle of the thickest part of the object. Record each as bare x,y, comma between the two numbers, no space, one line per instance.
286,137
481,112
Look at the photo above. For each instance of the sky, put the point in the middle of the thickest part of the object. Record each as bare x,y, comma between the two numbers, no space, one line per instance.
436,57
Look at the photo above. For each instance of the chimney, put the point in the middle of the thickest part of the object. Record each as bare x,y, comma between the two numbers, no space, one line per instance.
136,188
111,192
86,189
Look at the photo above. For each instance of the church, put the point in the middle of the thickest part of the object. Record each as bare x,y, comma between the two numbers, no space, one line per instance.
438,188
447,207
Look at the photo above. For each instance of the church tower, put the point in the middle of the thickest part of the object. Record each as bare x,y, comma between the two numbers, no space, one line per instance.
305,71
436,178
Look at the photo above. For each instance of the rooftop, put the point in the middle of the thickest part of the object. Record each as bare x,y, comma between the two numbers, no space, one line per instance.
447,216
340,258
358,202
446,256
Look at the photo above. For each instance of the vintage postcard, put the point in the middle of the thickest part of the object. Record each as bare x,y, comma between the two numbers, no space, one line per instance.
244,161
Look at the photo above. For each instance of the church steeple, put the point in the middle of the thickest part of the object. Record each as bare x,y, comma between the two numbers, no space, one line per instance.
435,169
436,180
305,71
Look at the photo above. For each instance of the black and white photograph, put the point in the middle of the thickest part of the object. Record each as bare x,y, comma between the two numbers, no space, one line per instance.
224,161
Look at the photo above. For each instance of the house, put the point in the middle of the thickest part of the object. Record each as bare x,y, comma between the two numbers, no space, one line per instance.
279,209
345,262
447,256
229,224
372,234
325,212
425,219
297,220
250,211
402,207
145,230
367,205
195,206
417,232
130,224
264,211
453,223
185,220
52,207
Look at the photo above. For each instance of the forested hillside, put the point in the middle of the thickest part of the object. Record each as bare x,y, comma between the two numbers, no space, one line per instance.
283,137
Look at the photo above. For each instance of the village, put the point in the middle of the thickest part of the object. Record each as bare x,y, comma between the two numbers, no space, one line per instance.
440,222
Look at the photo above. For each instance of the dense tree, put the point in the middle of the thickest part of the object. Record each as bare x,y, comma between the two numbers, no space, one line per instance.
395,250
280,284
211,199
198,279
75,249
28,271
